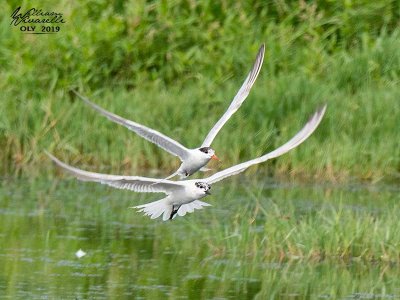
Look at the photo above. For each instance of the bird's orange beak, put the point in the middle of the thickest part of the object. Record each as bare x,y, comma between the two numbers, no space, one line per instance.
215,157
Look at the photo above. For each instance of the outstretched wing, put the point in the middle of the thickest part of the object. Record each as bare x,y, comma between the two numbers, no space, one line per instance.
133,183
239,98
300,137
149,134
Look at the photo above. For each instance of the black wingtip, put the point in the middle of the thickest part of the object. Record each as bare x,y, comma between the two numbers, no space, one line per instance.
261,50
87,101
79,95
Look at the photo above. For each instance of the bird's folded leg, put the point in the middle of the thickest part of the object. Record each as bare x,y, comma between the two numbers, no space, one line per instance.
175,209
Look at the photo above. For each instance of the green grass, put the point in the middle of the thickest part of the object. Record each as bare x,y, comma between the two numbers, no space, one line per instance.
159,65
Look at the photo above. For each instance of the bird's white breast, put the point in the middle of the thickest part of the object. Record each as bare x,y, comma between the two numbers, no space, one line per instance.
188,194
194,162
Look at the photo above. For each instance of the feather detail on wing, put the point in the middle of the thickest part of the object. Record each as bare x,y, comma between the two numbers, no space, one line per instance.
300,137
239,98
147,133
133,183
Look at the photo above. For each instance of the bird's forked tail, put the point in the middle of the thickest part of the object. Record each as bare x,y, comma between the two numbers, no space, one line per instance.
172,175
156,209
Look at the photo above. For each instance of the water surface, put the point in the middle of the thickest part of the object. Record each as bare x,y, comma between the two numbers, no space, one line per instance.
226,251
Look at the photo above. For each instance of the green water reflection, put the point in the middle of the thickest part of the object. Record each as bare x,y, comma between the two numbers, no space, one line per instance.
216,253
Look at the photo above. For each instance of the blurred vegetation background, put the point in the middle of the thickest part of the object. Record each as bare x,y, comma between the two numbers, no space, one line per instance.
176,65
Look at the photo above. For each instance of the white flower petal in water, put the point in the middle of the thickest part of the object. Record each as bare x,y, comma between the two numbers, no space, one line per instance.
80,253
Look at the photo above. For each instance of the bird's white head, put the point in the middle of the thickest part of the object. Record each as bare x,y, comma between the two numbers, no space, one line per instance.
203,188
209,152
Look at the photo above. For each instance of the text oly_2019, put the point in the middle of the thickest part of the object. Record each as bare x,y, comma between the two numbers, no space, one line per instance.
33,19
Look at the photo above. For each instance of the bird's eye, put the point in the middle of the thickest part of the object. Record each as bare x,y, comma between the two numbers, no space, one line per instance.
204,150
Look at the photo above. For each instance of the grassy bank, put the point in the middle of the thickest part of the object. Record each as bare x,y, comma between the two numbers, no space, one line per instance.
158,65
